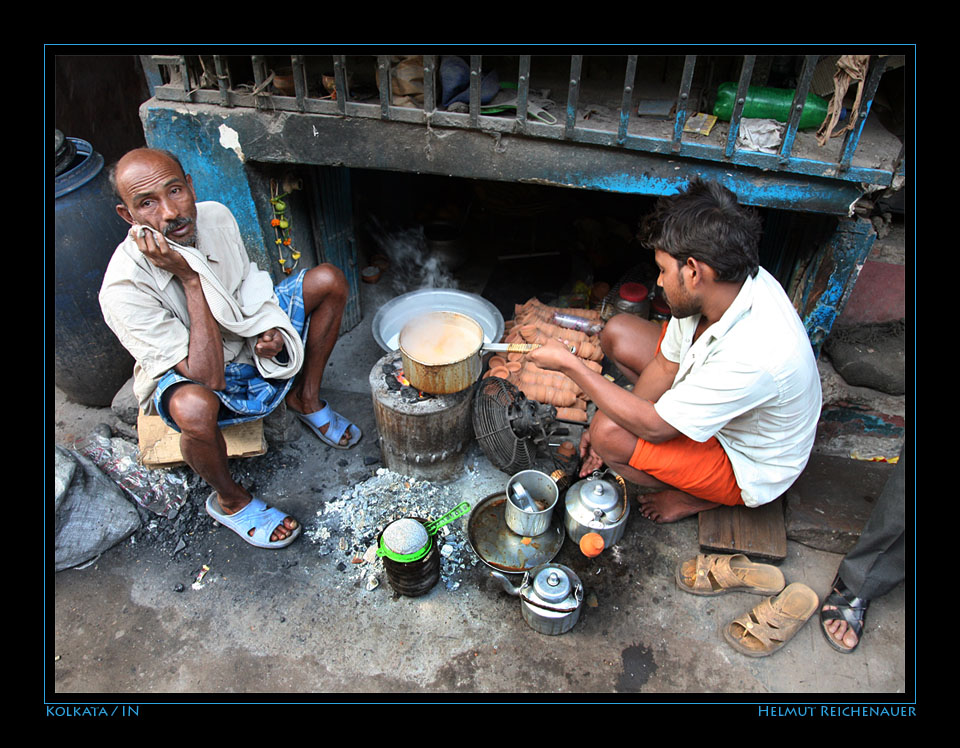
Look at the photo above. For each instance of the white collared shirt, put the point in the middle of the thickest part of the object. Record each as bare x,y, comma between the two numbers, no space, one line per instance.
751,380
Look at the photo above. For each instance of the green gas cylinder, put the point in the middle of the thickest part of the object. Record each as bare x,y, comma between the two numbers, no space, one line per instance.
765,102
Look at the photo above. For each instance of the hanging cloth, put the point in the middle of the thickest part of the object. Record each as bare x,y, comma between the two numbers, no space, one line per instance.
850,68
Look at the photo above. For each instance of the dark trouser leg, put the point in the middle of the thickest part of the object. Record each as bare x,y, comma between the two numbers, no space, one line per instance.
875,565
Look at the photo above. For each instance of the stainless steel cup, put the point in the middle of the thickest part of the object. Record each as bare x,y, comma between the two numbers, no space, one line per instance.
542,488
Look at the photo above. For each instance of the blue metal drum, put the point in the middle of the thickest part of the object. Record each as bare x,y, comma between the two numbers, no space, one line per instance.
90,364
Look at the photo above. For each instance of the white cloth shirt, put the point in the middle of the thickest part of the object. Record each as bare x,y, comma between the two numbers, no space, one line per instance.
751,380
146,307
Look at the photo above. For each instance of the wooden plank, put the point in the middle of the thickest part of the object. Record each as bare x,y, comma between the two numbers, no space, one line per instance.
160,444
759,533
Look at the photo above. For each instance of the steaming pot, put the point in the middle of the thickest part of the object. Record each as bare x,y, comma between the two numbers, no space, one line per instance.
551,596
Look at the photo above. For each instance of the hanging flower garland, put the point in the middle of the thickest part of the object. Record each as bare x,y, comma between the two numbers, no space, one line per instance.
281,225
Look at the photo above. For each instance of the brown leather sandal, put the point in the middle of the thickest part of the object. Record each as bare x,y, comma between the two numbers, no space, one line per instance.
773,622
716,574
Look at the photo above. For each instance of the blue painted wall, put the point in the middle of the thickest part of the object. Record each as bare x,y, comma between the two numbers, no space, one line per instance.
217,171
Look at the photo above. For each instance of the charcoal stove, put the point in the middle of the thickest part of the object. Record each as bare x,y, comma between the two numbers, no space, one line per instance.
421,435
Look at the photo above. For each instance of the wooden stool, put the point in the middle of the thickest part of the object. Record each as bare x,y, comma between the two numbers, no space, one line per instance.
757,533
160,444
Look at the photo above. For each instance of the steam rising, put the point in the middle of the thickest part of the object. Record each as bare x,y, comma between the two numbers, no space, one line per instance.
412,265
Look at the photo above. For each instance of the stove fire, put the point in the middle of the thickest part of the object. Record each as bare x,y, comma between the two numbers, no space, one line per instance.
397,382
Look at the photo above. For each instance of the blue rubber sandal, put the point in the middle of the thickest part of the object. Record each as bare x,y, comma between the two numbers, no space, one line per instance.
338,426
256,515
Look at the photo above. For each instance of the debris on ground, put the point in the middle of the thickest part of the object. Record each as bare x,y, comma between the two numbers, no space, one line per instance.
350,525
162,492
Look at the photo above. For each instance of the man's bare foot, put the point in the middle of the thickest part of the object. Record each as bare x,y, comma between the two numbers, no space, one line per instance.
842,616
280,532
663,507
840,632
296,402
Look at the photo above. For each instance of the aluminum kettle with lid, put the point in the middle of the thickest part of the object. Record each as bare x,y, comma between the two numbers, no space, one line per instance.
597,506
551,596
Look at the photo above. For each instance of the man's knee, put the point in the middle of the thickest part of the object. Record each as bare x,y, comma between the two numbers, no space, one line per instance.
612,442
325,281
630,341
194,409
611,336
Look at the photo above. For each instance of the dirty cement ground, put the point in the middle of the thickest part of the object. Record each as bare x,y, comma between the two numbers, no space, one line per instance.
295,625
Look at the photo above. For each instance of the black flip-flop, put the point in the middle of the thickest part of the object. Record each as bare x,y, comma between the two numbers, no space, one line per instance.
846,607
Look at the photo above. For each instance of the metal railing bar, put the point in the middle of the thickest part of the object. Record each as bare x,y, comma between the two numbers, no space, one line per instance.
852,138
383,67
683,99
573,96
299,80
626,102
746,73
185,74
429,86
796,108
259,72
261,79
523,92
476,76
340,81
223,80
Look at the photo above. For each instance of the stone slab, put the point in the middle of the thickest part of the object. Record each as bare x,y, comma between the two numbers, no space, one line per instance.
830,502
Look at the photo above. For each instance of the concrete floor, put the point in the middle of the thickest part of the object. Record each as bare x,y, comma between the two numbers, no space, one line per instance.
291,624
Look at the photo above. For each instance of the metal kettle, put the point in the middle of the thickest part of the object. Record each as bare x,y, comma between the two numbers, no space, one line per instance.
597,507
551,596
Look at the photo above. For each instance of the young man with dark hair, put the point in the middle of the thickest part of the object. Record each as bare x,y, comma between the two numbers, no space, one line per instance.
726,395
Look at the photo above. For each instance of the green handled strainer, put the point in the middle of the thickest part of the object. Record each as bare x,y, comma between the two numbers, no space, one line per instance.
408,539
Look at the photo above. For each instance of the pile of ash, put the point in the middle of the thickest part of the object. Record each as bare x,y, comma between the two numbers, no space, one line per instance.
349,526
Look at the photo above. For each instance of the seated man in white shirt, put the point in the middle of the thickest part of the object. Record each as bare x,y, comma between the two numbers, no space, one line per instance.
214,342
726,395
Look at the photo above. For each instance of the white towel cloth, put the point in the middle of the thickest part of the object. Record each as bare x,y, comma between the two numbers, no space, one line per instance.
256,312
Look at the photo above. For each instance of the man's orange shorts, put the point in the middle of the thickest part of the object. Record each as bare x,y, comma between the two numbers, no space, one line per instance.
701,469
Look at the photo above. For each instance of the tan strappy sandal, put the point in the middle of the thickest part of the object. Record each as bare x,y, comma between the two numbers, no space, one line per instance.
773,622
716,574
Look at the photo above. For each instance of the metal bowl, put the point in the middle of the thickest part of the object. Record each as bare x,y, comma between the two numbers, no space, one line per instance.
392,316
502,549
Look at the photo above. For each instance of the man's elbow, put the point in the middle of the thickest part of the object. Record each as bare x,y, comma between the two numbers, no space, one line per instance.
215,383
660,434
215,380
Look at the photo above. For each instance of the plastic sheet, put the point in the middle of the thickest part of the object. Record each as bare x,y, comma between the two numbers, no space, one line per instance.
161,491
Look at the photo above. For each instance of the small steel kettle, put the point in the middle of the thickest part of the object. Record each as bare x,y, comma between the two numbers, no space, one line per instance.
597,507
551,596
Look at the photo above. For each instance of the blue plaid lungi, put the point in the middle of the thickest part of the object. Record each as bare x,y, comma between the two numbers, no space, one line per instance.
247,395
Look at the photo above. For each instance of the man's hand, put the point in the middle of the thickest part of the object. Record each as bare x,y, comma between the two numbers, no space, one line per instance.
269,344
552,355
155,248
590,460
